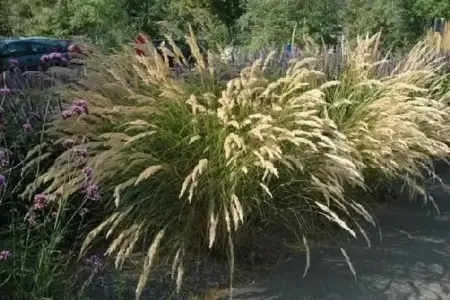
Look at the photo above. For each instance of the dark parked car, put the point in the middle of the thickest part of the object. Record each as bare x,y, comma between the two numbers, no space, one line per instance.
28,51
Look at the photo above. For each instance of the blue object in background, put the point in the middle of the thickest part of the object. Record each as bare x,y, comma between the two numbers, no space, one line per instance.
439,25
288,48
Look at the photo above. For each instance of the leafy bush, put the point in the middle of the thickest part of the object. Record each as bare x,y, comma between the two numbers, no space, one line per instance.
191,159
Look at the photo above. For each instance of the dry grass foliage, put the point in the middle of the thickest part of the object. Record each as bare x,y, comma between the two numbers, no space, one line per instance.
398,121
440,40
187,160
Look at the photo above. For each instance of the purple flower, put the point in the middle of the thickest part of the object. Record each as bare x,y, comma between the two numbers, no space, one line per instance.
5,254
78,107
54,55
2,181
40,201
5,91
77,110
4,161
88,172
67,114
93,192
13,62
95,263
81,106
80,102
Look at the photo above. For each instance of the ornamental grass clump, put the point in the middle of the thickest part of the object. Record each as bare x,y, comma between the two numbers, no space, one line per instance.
396,118
189,159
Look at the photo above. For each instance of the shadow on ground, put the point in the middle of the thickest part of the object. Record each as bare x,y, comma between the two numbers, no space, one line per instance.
411,261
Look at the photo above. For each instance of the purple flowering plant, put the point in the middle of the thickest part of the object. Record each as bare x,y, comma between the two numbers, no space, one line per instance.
4,255
49,214
54,58
4,91
77,108
91,189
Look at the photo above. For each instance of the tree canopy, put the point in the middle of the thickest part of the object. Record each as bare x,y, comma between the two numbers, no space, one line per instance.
251,23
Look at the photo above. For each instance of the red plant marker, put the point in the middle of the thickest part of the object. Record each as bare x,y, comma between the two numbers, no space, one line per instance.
141,39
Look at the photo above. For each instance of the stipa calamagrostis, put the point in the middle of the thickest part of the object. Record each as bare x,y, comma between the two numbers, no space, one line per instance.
190,160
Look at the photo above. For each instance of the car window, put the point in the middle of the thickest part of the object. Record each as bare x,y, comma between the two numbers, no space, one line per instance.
38,48
15,49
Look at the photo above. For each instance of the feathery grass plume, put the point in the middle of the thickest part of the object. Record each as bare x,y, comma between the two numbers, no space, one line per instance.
202,154
247,130
396,120
148,263
439,40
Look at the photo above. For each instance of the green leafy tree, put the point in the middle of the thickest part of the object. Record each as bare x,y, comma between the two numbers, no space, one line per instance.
228,12
144,15
273,21
250,22
431,9
5,22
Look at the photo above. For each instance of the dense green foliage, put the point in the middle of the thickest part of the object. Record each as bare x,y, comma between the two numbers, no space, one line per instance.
248,21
